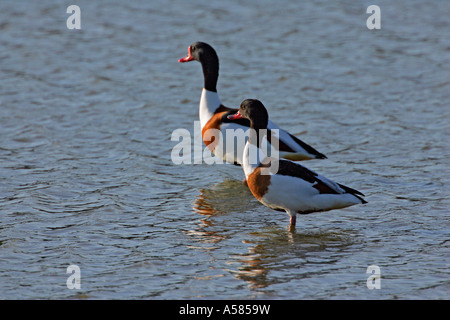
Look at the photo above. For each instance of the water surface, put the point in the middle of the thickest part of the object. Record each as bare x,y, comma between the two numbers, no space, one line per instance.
86,176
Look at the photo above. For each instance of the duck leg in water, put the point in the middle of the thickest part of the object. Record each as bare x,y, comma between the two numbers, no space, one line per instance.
292,223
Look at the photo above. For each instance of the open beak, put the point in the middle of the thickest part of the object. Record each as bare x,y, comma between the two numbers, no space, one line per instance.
188,57
235,116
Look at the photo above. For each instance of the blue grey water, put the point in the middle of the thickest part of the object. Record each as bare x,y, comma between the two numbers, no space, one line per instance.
86,176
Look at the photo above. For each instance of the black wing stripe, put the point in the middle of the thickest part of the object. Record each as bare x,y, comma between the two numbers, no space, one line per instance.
294,169
307,147
288,168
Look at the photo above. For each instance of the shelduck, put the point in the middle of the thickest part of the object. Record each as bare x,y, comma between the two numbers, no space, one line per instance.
213,115
282,184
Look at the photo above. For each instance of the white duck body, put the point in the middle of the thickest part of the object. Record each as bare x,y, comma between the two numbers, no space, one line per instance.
285,185
293,194
211,112
296,195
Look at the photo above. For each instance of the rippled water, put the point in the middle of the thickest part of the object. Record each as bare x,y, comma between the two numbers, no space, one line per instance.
86,176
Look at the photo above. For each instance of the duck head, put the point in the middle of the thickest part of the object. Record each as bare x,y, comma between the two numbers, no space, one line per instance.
254,111
207,56
199,51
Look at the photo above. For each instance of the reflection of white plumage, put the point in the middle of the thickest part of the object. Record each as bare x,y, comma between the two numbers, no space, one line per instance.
213,114
289,186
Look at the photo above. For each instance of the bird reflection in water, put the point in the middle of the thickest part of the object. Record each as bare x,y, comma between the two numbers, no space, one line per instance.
276,255
225,197
273,253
